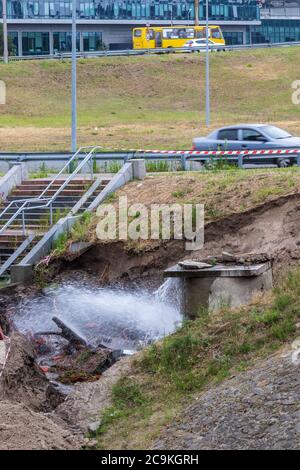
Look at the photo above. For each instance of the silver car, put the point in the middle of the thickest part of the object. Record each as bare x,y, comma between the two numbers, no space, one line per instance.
250,137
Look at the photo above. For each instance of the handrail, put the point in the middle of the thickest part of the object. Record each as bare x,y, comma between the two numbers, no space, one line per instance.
64,168
75,172
24,245
49,201
21,201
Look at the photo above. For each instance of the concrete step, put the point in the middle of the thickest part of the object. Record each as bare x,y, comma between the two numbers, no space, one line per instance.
41,188
9,243
60,198
7,250
35,214
29,227
30,193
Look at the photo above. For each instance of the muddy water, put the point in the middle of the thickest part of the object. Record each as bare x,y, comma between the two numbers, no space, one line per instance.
113,317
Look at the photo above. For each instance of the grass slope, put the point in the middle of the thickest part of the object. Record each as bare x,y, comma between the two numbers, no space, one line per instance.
169,375
155,101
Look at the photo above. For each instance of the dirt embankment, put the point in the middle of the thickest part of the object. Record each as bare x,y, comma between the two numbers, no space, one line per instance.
272,228
25,405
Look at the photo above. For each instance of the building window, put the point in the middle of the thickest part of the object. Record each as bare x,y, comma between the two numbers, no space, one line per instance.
233,38
271,31
14,45
35,43
62,42
134,9
92,41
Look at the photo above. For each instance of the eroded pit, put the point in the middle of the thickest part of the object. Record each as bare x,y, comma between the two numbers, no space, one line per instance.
79,331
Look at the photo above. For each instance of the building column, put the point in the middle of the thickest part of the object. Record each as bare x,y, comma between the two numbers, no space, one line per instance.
245,35
20,45
51,49
80,41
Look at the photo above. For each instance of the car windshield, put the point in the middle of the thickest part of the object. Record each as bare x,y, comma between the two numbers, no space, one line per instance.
275,132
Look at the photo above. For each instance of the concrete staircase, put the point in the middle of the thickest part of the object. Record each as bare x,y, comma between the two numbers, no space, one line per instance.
38,220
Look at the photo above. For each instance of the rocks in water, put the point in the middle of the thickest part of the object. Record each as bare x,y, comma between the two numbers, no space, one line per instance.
85,365
74,338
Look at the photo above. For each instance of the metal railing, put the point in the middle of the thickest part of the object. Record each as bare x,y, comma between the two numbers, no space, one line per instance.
272,12
15,255
44,202
138,52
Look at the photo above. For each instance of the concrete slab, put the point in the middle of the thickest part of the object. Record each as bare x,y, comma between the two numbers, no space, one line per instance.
210,288
219,270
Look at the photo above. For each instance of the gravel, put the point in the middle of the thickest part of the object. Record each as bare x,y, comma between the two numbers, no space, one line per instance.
258,409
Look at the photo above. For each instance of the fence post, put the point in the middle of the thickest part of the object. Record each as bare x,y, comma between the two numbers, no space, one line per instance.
298,159
240,161
183,162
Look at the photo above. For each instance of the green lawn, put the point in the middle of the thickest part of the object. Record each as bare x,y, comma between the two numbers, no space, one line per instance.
155,101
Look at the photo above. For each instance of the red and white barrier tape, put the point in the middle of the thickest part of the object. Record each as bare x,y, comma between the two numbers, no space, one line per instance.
206,153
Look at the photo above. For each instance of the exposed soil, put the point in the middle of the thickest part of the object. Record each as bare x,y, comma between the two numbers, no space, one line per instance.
25,399
22,381
84,404
21,428
272,228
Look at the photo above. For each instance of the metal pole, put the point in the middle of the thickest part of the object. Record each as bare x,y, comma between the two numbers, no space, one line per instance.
74,79
5,42
51,215
196,6
207,85
23,223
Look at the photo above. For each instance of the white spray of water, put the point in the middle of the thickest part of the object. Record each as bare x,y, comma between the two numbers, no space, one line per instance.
102,313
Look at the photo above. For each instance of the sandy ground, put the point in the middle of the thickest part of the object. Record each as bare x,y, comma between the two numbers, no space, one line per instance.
21,428
25,423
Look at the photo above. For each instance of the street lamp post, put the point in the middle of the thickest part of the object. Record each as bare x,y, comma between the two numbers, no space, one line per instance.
5,43
74,79
196,6
207,85
189,16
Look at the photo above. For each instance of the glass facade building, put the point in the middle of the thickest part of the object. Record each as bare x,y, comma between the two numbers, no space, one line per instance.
271,31
133,9
38,27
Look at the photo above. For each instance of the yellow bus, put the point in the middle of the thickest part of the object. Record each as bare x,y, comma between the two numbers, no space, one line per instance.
168,37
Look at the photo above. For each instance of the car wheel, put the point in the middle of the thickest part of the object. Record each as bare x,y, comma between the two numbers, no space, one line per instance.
283,162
